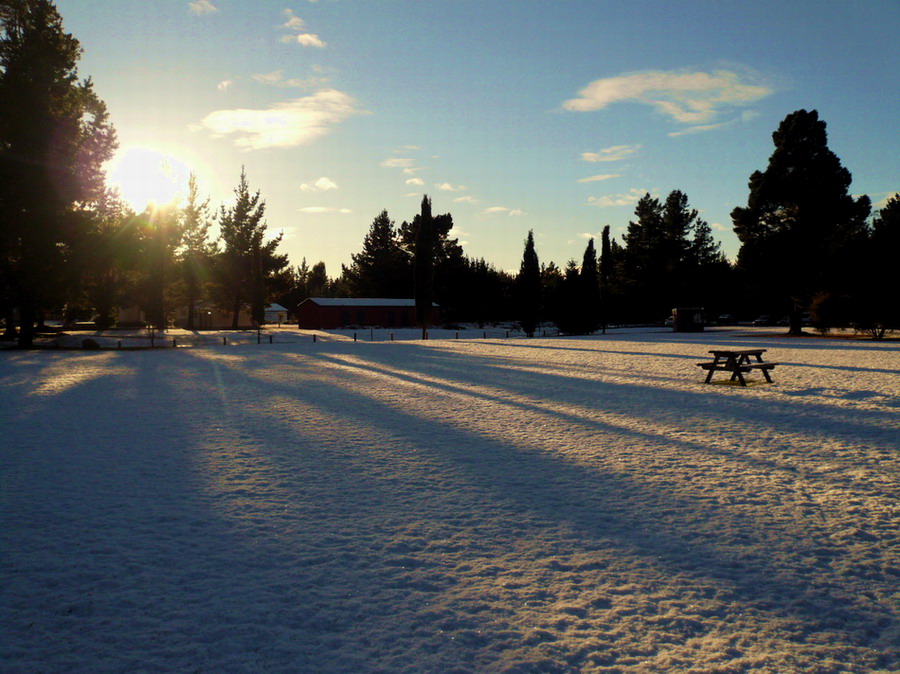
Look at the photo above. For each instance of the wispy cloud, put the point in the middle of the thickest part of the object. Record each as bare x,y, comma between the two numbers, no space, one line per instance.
719,227
598,178
687,97
699,129
415,181
298,26
447,187
323,184
614,153
630,197
286,124
398,162
200,7
276,79
494,210
466,200
325,209
225,85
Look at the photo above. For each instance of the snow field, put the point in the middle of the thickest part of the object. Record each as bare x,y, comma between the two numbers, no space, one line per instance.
581,504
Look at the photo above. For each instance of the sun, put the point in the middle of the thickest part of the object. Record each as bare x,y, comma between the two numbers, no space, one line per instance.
145,177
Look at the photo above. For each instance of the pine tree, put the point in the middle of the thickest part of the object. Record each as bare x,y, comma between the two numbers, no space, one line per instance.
424,266
54,138
589,290
382,268
247,259
799,218
197,251
528,286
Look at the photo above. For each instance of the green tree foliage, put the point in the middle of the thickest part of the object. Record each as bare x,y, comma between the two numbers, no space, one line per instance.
247,261
589,290
801,228
103,269
54,138
449,263
196,252
382,268
876,308
424,264
528,287
665,249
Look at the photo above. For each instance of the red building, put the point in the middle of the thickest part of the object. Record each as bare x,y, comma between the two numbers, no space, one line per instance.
326,313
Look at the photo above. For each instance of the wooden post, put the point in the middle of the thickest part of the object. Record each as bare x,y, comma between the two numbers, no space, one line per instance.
224,340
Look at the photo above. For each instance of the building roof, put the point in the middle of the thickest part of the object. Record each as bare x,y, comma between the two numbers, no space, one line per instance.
362,302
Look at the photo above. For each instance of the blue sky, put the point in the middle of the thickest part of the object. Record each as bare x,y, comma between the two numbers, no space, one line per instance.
512,115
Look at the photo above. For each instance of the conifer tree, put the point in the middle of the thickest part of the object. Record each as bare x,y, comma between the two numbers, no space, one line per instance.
424,265
54,138
528,286
589,290
197,251
382,268
799,218
246,260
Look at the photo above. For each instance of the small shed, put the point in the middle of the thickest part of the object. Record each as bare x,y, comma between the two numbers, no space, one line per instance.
275,313
325,313
688,319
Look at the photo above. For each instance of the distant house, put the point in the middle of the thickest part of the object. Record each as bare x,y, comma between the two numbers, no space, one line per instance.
337,312
275,313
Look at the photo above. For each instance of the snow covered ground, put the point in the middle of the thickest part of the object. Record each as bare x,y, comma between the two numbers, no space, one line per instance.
564,504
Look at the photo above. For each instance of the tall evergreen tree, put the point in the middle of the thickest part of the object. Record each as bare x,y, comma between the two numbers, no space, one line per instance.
424,265
246,260
382,268
799,218
605,274
197,251
54,138
589,289
528,286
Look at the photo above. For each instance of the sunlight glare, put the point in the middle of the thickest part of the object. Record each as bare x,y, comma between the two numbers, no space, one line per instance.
146,177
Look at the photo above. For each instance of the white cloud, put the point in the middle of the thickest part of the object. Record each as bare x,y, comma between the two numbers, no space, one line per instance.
325,209
698,129
466,200
614,153
719,227
323,184
276,79
200,7
269,78
398,162
598,178
502,209
881,203
296,24
411,170
687,97
626,199
415,181
286,124
225,85
447,187
407,148
293,22
305,39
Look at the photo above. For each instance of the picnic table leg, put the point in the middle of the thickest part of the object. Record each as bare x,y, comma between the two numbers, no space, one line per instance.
765,372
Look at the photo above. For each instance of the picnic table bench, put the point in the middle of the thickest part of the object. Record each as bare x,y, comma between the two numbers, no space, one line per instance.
738,363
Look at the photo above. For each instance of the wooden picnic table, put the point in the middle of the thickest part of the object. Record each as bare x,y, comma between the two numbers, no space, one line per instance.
738,363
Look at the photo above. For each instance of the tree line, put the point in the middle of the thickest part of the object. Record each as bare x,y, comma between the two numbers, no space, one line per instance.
70,247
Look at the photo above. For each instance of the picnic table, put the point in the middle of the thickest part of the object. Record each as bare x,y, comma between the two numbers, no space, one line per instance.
738,363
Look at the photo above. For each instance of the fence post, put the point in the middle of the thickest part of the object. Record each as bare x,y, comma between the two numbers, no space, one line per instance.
392,336
507,334
457,335
314,338
354,336
270,339
224,340
485,334
174,344
120,343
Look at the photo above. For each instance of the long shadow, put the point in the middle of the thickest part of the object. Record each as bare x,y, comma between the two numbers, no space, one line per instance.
487,371
591,501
